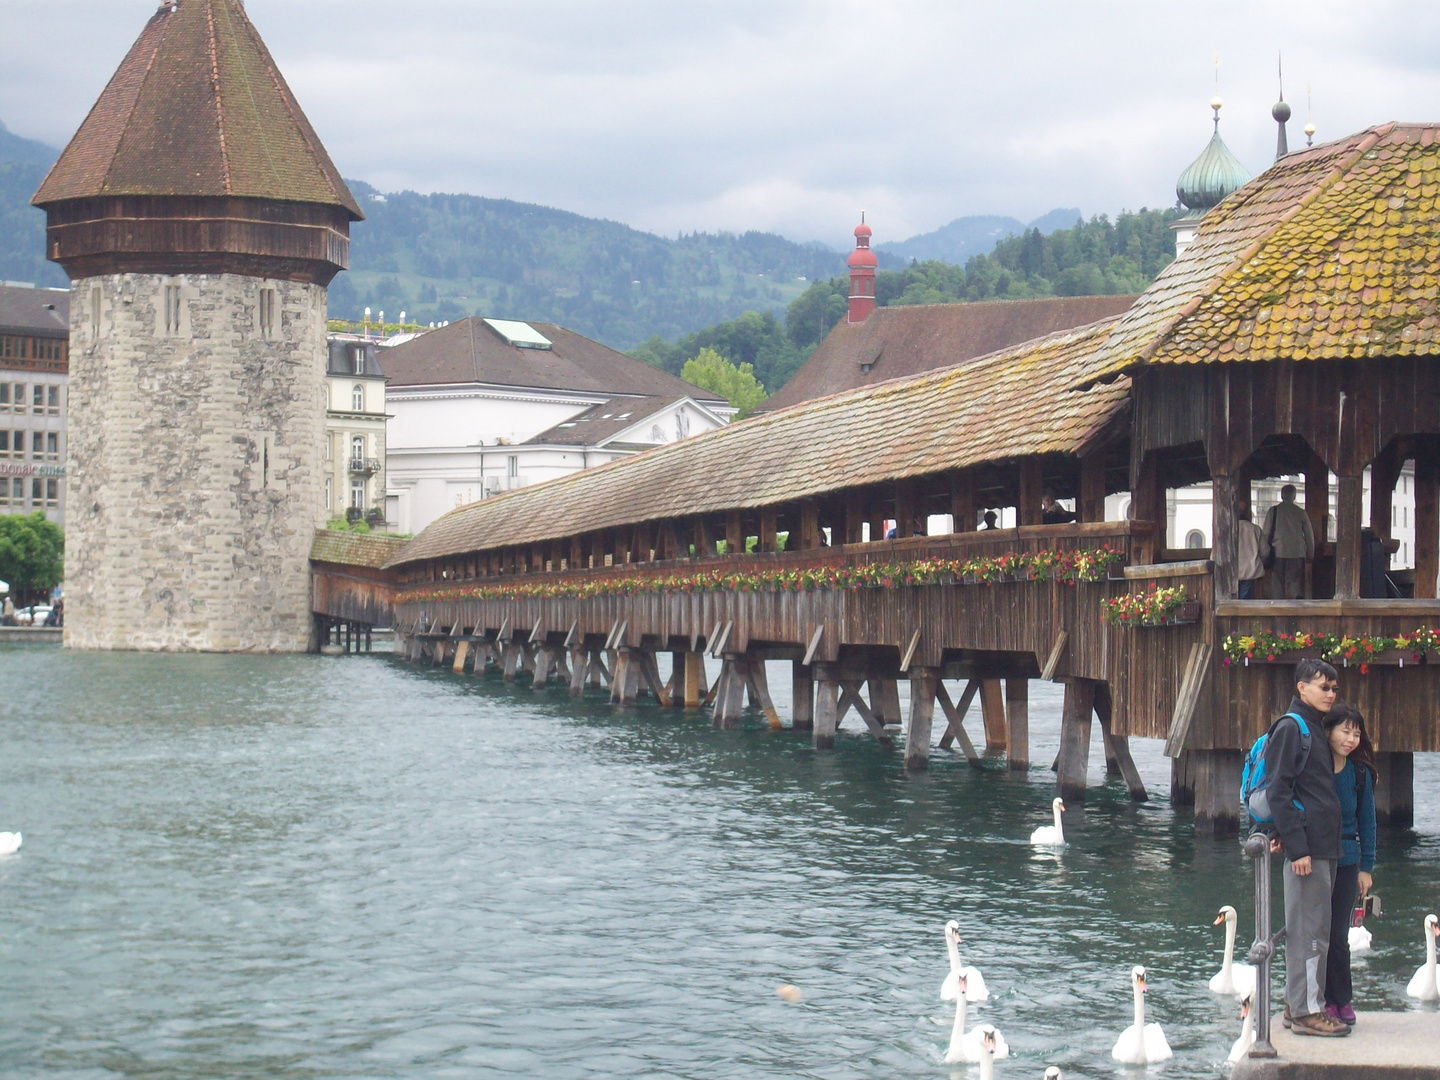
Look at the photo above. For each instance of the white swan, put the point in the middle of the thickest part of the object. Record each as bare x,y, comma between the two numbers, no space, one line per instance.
1051,835
1232,978
1053,1073
977,991
1247,1032
968,1045
988,1035
1423,985
1140,1043
9,843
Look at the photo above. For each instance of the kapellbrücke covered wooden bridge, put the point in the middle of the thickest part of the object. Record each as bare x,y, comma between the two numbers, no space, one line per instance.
1296,335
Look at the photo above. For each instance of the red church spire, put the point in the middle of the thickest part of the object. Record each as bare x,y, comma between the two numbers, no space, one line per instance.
862,264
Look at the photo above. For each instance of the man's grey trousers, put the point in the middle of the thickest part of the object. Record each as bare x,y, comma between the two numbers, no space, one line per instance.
1307,936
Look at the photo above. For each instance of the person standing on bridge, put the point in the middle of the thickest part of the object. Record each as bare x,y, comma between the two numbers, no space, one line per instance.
1292,540
1300,784
1355,776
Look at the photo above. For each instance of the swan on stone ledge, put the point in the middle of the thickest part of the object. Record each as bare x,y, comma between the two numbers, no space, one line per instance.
9,843
1232,978
1424,985
977,991
1358,936
1051,835
1140,1043
968,1045
1247,1032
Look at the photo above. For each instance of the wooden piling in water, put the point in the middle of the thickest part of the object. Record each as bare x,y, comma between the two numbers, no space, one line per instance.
802,697
992,713
1074,759
1017,725
923,682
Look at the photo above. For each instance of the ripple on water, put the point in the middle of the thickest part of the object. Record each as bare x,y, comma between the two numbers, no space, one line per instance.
305,867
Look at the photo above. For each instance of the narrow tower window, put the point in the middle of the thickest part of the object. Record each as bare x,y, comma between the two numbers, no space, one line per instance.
267,313
357,398
94,315
172,309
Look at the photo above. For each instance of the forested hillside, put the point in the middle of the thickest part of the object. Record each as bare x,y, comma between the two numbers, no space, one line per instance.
447,256
23,164
1095,257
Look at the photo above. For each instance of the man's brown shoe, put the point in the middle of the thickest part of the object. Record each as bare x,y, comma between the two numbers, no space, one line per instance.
1318,1024
1286,1020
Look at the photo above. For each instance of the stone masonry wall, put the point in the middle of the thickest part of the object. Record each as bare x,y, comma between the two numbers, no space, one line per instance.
195,463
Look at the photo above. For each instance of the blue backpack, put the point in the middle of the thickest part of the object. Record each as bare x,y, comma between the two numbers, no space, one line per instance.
1253,796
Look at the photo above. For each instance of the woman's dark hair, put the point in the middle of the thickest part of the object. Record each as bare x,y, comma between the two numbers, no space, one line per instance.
1310,669
1364,754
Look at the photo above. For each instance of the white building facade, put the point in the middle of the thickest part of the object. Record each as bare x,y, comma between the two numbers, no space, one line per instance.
484,406
355,442
34,399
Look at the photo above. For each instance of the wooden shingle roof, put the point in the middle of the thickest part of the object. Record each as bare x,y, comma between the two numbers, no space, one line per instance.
1006,405
198,107
1332,253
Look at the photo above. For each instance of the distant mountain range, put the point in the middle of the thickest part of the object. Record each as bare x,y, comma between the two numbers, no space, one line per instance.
967,236
439,257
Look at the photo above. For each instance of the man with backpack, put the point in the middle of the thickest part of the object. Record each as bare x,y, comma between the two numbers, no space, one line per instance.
1300,789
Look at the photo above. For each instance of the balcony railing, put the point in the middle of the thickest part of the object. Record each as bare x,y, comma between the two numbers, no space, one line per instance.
365,466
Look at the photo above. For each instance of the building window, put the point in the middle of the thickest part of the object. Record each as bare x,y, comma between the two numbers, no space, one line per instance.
37,398
37,446
514,466
357,398
4,491
357,451
52,494
52,400
37,493
357,494
357,360
1194,539
267,313
4,397
17,492
172,309
329,447
52,446
4,444
329,493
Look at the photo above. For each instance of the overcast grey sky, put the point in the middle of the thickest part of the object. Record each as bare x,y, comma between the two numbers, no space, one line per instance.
785,115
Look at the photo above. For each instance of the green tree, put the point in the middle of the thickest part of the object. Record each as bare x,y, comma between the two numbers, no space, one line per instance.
737,385
32,552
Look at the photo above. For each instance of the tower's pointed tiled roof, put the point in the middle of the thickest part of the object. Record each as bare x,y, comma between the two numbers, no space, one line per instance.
197,108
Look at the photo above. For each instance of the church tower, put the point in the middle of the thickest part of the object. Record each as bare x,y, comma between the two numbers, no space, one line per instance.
862,263
200,220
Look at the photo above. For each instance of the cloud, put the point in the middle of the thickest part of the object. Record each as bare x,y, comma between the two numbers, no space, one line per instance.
789,117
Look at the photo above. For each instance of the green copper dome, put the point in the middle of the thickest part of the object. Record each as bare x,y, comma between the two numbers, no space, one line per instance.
1211,176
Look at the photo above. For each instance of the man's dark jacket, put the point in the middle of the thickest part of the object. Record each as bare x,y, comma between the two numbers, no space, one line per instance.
1314,831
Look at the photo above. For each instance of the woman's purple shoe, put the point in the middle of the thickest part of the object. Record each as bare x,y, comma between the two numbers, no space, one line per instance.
1344,1013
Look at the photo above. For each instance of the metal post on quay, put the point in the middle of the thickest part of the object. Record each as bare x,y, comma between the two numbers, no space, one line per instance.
1257,847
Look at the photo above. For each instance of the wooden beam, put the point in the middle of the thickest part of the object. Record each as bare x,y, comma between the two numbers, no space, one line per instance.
544,660
827,708
1091,504
909,652
1117,747
1317,499
734,534
955,718
1052,662
905,509
759,685
854,515
650,672
1348,509
730,697
1427,520
462,650
802,696
962,501
767,529
923,682
814,644
1017,724
1187,702
579,668
850,698
809,538
1075,738
694,679
885,701
992,712
704,540
1028,510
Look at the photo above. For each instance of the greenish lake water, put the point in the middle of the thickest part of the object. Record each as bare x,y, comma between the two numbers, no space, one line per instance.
308,867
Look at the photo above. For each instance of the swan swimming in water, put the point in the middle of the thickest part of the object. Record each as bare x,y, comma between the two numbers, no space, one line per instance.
9,843
988,1035
1140,1043
1247,1032
976,991
1423,985
968,1045
1053,1073
1232,978
1051,835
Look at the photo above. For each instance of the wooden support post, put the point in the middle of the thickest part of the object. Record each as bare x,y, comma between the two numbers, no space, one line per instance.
1427,520
1317,498
694,679
802,697
1075,738
704,539
1147,503
759,685
513,653
955,719
1216,776
876,517
1091,504
1395,793
767,529
850,698
1384,471
854,516
992,712
620,663
649,671
809,537
625,687
734,534
827,708
559,665
544,660
675,688
923,682
1028,510
1348,509
905,509
962,501
462,650
1182,780
579,668
1017,725
1225,547
1117,747
730,695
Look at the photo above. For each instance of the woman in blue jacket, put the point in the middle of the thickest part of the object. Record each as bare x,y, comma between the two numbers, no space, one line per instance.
1355,776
